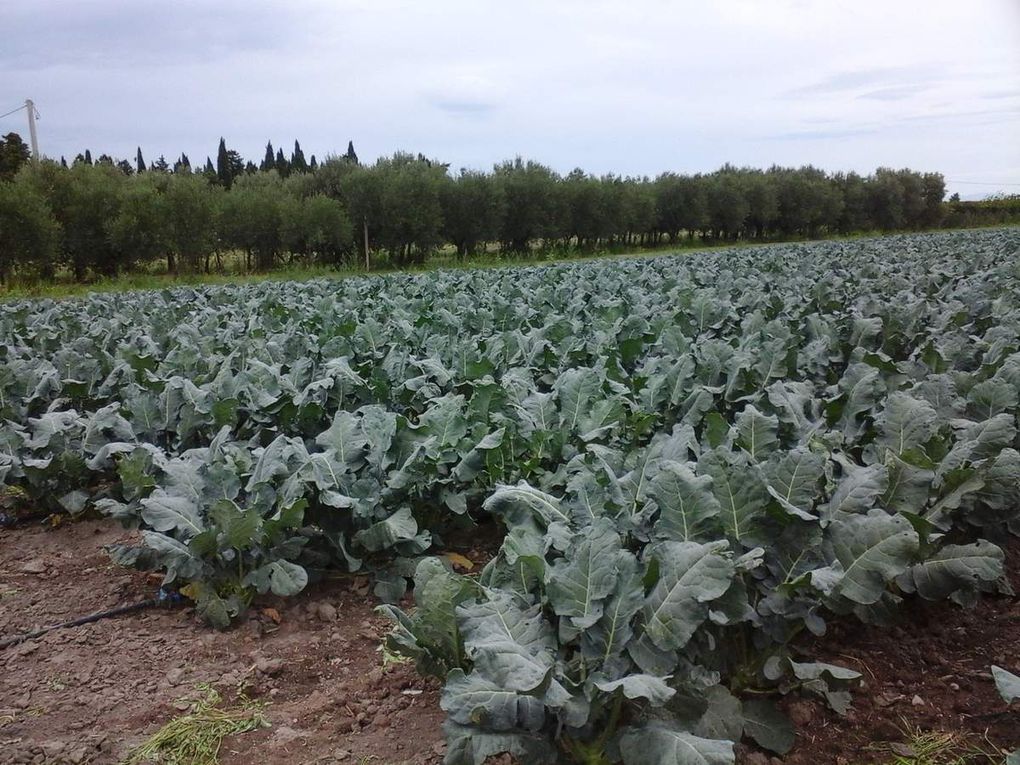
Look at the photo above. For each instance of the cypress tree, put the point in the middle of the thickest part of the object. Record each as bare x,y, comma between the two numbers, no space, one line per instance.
314,164
269,162
139,161
351,156
63,161
209,166
88,157
282,166
223,165
297,159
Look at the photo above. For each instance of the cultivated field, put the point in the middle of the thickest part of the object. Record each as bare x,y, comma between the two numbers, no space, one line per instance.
645,505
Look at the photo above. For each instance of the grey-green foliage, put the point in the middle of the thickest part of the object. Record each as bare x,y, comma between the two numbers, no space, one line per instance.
1007,684
695,459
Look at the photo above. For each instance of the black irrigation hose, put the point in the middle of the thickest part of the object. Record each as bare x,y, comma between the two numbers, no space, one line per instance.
164,598
9,521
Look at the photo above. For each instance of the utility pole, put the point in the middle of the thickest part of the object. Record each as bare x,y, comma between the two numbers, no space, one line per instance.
30,107
364,230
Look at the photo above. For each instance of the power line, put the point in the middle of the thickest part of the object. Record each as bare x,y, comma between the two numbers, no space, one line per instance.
7,114
983,183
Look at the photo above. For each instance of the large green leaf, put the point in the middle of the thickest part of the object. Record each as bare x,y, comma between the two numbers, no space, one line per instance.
609,637
430,634
577,584
905,424
909,485
522,500
954,567
444,420
499,618
992,397
793,481
576,389
1006,683
469,745
399,527
691,575
767,726
344,438
473,699
740,490
659,744
653,689
867,552
286,578
858,488
688,510
757,433
164,512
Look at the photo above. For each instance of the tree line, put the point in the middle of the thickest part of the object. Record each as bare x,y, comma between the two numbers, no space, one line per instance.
103,217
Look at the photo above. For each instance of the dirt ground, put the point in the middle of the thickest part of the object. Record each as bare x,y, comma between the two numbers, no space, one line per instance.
930,672
90,694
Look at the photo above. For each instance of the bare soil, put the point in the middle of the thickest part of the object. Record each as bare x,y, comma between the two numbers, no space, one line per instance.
92,693
929,672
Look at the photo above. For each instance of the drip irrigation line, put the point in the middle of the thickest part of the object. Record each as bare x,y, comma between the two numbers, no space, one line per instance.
10,521
164,598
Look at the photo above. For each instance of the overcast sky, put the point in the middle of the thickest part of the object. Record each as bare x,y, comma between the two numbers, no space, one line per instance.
632,86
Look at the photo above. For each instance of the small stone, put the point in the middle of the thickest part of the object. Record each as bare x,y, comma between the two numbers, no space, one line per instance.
34,566
285,735
954,686
439,748
341,754
269,666
52,748
801,713
887,699
327,612
756,758
917,701
346,724
228,679
174,676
